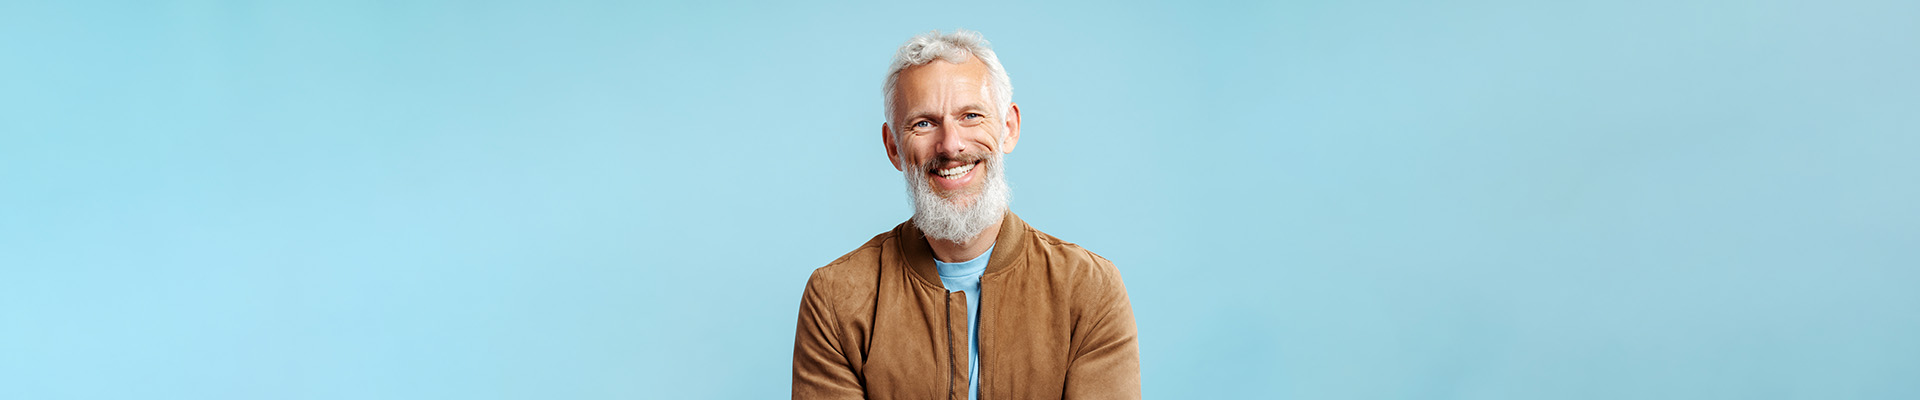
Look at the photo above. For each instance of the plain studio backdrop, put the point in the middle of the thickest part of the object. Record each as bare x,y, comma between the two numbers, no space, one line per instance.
1314,199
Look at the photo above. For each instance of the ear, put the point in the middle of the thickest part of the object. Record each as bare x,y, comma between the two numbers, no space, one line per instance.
893,153
1013,128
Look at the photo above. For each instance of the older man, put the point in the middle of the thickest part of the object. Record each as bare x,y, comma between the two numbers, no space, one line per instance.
964,300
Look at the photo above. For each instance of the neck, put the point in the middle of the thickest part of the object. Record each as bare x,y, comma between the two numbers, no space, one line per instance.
953,252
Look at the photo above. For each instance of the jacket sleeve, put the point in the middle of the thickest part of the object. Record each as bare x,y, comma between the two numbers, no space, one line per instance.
1106,362
820,369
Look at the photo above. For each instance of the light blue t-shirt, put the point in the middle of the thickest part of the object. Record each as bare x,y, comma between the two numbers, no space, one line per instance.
964,276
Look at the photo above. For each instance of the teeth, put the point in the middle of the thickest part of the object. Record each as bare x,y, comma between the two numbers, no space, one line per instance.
955,171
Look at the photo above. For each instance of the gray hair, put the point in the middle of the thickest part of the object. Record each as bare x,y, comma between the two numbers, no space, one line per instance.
954,48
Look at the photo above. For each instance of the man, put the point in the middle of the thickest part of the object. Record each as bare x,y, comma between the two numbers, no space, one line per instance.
964,300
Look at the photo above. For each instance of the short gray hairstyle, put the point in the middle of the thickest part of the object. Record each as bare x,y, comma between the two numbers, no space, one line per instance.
954,48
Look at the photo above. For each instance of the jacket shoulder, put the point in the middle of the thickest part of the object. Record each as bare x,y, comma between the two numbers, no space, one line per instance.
1069,261
852,277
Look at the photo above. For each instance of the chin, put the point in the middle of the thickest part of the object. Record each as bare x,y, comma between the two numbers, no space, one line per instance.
961,215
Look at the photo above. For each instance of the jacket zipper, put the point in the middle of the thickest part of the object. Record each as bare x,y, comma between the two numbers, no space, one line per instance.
948,312
982,368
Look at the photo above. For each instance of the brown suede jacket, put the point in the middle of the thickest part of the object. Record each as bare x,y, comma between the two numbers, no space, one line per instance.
1054,323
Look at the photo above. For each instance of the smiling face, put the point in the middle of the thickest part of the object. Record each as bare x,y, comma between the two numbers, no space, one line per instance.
950,137
948,125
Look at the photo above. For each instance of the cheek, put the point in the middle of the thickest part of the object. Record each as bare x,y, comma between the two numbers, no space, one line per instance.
916,152
988,138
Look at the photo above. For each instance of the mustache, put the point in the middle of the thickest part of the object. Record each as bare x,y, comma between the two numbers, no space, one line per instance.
963,158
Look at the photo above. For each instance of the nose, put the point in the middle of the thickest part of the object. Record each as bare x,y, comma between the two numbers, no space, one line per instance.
952,144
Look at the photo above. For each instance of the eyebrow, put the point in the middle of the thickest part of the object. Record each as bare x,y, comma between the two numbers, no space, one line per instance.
981,108
976,107
921,115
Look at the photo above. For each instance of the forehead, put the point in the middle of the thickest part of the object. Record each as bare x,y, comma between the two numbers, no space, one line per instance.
942,79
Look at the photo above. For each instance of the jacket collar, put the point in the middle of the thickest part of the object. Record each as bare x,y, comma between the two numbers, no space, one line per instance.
1008,249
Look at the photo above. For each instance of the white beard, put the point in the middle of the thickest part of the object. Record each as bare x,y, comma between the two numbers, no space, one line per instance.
957,219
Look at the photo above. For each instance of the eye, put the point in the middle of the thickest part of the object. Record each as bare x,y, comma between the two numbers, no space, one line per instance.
922,124
973,116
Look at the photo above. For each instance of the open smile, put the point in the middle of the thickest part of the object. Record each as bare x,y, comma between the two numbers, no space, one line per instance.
954,177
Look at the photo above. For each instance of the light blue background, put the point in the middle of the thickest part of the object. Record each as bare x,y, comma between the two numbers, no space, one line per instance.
1320,200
